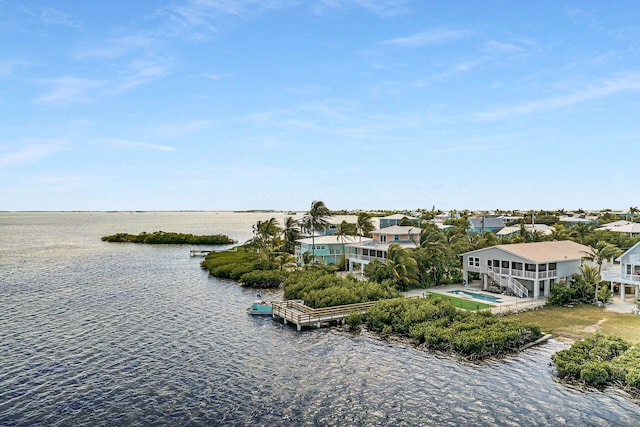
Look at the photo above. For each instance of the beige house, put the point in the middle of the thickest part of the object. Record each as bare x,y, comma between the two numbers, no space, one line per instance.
524,269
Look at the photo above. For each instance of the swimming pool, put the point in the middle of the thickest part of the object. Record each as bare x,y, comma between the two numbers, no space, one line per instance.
475,295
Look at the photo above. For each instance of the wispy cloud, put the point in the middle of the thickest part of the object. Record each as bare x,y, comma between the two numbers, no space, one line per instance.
176,130
379,7
216,76
463,148
7,68
66,90
50,16
619,83
115,48
437,36
139,72
30,152
127,144
203,16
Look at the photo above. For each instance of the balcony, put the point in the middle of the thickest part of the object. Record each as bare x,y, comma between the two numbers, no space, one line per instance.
517,274
616,276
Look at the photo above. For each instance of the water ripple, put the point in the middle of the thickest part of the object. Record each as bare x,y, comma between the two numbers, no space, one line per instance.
101,334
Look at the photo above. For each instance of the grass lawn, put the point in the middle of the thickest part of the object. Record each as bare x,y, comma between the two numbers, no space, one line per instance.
461,302
576,322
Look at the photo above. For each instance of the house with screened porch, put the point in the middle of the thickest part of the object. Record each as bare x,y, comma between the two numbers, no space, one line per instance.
627,274
524,269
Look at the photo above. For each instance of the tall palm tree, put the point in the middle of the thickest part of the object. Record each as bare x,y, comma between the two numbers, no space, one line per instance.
599,253
364,225
291,233
316,219
345,229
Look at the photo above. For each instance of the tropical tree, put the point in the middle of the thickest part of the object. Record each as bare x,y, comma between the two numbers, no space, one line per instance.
364,225
266,236
633,210
580,231
316,219
402,268
290,233
599,253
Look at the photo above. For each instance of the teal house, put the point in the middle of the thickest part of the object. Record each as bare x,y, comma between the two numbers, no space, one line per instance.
327,249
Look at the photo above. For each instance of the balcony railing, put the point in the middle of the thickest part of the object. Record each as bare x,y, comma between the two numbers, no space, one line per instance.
616,276
361,257
521,274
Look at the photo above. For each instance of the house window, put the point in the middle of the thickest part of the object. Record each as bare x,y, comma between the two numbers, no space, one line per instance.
379,254
474,261
542,267
505,264
530,267
477,262
383,238
396,237
496,263
471,262
516,265
552,266
628,268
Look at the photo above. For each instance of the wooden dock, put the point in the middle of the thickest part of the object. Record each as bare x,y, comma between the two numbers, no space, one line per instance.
294,311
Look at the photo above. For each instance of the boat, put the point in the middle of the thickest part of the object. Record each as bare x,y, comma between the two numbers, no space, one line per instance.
260,307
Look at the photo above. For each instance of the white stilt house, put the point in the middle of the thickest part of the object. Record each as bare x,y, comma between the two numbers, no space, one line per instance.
524,269
627,274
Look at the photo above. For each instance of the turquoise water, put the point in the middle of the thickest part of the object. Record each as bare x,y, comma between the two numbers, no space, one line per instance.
105,334
475,295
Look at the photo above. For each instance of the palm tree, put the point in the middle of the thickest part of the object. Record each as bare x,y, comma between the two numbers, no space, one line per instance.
266,235
633,210
599,253
345,229
401,266
364,225
291,233
316,219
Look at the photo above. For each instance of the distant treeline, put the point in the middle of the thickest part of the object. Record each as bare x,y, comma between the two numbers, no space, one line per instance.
162,238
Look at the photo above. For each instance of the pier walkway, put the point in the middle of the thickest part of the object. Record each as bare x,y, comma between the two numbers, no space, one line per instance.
294,311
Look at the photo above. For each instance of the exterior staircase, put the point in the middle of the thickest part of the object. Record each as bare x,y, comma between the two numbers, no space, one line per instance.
510,283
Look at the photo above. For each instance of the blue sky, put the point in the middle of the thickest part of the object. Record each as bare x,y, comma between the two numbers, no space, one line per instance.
270,104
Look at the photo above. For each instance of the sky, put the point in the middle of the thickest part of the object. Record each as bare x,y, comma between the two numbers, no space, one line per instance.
363,104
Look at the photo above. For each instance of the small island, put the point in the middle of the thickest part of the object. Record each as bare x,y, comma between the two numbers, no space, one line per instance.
164,238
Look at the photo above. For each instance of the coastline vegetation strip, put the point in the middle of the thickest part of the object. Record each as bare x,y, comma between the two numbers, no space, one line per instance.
461,302
600,360
437,325
164,238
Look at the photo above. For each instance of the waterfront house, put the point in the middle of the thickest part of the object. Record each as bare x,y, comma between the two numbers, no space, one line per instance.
327,249
524,269
627,274
481,224
362,253
396,219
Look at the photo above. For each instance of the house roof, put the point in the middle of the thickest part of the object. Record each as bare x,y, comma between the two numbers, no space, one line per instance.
543,229
622,227
398,229
557,250
398,216
489,222
333,240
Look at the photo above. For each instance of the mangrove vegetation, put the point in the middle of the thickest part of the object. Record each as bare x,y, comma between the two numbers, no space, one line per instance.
164,238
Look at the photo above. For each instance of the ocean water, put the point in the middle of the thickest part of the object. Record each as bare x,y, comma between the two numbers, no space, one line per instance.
95,333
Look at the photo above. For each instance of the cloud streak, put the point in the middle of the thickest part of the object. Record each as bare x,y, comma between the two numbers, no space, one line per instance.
30,153
127,144
619,83
433,37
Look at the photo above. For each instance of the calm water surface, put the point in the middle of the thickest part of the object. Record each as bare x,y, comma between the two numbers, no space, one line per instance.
95,333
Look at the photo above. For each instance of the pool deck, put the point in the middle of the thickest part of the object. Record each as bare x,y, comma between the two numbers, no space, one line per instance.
506,304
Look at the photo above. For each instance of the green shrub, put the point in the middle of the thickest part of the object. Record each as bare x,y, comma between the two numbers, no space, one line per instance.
263,278
595,373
